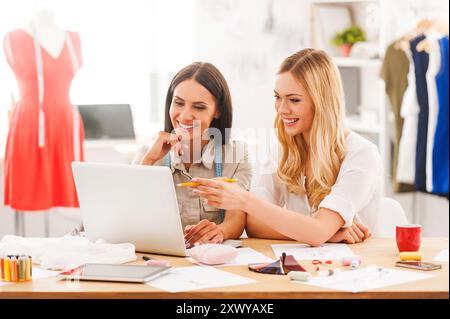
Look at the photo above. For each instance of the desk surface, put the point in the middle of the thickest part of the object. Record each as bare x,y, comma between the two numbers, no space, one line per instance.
382,252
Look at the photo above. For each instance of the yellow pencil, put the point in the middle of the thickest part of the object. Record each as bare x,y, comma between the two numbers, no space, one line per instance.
192,184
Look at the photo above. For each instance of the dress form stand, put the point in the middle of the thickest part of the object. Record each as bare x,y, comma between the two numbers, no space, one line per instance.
19,223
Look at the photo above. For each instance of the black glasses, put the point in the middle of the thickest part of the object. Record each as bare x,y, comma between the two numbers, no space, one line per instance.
282,266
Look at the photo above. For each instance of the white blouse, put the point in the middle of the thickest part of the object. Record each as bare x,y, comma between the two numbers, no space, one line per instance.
356,193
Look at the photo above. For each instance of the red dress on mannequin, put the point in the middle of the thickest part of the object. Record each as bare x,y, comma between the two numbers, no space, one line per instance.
39,178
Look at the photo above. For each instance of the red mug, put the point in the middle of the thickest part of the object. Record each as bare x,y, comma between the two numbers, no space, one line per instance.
408,237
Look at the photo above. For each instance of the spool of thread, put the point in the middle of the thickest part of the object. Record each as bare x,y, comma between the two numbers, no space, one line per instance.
22,268
411,256
13,269
7,269
2,268
16,268
328,272
28,268
299,275
348,260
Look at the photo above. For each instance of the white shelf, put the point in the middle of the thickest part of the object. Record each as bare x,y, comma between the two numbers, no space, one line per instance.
357,62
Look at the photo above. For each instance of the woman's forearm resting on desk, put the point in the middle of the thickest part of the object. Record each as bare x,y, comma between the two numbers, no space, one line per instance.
310,230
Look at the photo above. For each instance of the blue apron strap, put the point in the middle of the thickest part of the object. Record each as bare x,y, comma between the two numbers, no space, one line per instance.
167,160
218,167
217,163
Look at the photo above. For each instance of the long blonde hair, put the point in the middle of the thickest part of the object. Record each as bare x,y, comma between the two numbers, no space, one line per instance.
318,75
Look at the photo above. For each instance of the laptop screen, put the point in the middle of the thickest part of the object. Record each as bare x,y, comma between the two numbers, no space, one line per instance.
107,121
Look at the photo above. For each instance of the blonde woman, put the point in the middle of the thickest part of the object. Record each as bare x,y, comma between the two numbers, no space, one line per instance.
328,178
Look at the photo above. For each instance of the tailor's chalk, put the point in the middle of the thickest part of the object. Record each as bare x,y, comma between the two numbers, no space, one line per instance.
411,255
355,263
328,272
7,269
299,275
160,263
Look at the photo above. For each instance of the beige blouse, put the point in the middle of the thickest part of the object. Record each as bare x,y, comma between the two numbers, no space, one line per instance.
235,164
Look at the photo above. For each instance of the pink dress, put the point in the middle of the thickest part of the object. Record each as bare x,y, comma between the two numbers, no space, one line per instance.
37,173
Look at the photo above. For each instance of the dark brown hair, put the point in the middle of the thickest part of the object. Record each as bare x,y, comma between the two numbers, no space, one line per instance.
211,79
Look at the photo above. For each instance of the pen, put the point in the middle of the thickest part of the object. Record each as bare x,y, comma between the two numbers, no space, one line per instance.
191,184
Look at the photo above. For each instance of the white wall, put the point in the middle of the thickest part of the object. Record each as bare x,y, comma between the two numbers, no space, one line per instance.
247,43
233,35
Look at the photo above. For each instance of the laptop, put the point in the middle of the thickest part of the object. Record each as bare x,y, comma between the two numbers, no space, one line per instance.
136,204
107,122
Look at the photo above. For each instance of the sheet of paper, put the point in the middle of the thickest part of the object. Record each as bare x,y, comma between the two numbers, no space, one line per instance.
306,252
245,256
197,277
371,277
39,273
442,256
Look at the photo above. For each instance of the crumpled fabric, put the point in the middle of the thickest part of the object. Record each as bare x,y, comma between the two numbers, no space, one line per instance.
67,252
213,254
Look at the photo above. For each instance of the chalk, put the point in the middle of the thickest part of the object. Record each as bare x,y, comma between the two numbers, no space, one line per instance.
299,275
328,272
355,263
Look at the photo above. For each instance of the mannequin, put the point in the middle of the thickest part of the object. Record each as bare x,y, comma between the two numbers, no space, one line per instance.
51,36
46,132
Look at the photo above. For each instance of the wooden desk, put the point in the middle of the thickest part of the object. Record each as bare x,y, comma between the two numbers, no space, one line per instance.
382,252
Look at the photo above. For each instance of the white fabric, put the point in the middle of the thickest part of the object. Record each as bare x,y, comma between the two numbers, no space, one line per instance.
390,214
62,253
409,111
434,66
356,193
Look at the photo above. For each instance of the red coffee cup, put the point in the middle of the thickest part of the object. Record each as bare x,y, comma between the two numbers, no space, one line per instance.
408,237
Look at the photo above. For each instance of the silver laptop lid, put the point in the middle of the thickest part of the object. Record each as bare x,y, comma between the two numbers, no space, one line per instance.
130,203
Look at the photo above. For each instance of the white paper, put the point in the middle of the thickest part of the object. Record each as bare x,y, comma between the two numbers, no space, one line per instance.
306,252
245,256
442,256
39,273
366,279
196,277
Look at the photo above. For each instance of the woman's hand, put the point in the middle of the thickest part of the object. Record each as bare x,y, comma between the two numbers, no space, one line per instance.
163,144
204,232
220,194
356,233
